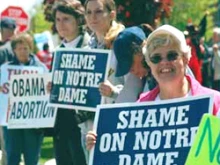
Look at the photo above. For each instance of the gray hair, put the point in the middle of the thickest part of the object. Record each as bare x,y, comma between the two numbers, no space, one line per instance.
165,39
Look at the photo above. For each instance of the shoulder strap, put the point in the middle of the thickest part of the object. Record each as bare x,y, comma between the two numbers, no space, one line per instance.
80,42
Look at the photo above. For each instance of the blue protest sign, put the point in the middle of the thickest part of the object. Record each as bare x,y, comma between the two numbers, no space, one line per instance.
76,77
148,133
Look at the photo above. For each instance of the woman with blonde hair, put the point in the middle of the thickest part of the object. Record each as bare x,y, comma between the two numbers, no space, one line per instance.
167,55
100,17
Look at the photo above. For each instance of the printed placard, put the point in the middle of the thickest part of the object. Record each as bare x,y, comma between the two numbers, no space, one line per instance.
148,133
6,72
76,77
29,99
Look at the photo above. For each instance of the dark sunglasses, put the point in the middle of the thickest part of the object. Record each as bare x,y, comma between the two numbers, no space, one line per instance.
171,56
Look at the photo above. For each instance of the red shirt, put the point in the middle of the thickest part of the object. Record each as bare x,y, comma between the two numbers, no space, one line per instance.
195,64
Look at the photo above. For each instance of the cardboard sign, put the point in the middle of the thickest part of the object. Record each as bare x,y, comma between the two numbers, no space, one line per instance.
206,147
148,133
29,106
6,72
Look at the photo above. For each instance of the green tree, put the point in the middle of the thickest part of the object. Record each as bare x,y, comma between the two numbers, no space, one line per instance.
182,11
38,22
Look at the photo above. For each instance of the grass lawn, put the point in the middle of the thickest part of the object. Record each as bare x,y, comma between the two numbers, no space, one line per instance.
46,150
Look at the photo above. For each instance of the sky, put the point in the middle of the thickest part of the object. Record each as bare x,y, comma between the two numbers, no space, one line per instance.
27,5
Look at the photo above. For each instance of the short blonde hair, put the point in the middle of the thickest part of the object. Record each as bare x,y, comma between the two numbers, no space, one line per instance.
164,36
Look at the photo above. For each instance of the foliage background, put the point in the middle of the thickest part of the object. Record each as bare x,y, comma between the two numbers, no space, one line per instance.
153,12
182,11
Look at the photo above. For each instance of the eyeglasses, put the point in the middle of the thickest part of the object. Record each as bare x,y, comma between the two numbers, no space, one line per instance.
171,56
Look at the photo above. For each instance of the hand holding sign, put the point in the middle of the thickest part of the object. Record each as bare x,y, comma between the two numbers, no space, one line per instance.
29,102
106,88
90,139
76,77
159,133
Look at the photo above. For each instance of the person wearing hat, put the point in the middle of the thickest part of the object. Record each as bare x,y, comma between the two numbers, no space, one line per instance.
8,26
167,54
130,64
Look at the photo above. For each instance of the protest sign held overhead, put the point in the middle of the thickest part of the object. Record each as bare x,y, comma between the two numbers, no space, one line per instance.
8,71
29,102
206,147
76,77
148,133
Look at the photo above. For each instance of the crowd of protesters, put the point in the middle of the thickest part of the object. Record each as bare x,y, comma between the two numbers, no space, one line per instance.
136,54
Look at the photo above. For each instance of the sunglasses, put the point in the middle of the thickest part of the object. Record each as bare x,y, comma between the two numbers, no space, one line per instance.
171,56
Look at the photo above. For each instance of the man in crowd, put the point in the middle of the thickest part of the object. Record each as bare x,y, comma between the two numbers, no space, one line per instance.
8,27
